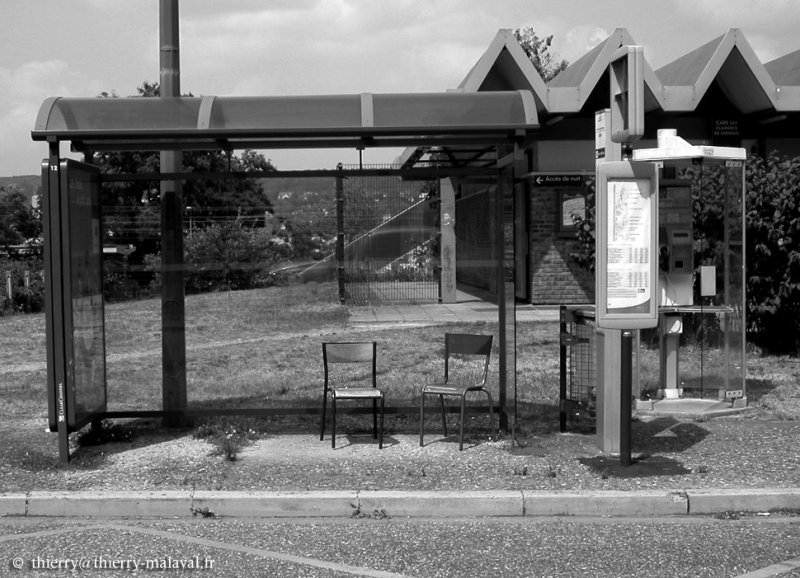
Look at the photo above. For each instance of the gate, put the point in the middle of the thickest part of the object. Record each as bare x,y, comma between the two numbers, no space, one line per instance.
389,239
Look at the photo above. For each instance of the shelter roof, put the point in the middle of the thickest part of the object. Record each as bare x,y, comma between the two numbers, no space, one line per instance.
215,122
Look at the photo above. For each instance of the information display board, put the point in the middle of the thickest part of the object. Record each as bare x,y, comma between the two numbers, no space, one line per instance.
627,241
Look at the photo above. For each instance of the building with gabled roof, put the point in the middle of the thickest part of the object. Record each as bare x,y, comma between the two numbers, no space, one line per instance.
718,94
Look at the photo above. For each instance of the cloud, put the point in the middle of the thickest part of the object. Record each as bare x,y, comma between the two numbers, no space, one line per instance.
579,40
22,91
770,26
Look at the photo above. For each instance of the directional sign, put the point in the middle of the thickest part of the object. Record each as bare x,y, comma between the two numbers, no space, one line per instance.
563,180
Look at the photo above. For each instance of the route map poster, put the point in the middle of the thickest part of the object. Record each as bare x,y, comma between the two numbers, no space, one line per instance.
627,241
629,287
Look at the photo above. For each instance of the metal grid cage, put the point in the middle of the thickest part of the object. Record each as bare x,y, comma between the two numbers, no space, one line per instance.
578,391
391,240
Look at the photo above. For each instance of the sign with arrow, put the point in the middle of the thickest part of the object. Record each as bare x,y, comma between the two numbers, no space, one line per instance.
558,180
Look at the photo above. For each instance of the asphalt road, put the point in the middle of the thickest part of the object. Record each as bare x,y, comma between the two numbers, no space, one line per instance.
753,545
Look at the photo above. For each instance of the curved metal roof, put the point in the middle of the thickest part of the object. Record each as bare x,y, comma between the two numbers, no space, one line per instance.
216,122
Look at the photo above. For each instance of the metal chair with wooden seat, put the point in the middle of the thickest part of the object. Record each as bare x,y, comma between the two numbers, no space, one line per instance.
466,347
353,354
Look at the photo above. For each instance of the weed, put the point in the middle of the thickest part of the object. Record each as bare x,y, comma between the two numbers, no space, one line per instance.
523,471
105,432
203,512
229,435
377,514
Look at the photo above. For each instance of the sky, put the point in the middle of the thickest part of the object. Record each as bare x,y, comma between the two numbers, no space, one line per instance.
305,47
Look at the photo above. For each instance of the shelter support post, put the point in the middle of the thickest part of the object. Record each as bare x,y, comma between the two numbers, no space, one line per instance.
447,244
340,235
609,341
503,212
173,314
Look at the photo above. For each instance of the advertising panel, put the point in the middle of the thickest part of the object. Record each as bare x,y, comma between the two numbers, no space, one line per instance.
83,293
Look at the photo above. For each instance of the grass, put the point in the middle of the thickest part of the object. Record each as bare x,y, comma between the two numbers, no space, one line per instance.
262,348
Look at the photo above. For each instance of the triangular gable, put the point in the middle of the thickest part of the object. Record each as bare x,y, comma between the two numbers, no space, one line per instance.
728,60
505,66
570,90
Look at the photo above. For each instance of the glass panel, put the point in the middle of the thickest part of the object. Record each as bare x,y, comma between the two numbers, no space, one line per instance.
118,114
449,109
290,112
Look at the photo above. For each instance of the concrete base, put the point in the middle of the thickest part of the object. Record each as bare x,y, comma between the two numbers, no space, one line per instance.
688,407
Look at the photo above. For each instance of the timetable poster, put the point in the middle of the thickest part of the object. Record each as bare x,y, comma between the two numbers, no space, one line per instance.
629,287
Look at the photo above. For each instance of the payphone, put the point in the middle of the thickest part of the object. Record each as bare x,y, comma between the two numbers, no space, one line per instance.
675,243
707,293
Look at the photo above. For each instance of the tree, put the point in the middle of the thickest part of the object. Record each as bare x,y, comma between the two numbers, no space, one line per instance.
131,210
19,222
538,50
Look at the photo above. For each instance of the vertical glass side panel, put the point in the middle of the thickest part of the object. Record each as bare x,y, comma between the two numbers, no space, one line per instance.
83,284
735,282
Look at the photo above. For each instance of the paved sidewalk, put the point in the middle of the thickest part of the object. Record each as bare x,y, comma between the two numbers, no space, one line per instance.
468,308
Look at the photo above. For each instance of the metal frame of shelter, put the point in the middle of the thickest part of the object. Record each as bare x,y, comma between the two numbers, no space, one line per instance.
491,129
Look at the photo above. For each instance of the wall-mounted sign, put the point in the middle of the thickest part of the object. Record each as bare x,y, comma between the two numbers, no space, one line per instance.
627,239
557,180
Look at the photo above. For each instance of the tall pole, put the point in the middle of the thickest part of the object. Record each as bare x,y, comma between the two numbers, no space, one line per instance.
173,315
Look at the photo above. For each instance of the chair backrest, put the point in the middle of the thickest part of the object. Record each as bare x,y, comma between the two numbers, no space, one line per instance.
352,352
467,344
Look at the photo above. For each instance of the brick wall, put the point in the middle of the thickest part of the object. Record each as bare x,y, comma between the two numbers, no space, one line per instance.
554,277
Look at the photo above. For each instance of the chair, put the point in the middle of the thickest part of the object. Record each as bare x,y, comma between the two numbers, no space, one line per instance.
467,347
362,353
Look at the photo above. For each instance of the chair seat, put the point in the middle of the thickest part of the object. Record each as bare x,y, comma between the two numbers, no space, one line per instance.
357,393
445,389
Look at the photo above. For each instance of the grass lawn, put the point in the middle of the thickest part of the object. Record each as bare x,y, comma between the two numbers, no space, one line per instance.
262,348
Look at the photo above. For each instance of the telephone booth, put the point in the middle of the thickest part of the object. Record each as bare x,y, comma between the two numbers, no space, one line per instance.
701,284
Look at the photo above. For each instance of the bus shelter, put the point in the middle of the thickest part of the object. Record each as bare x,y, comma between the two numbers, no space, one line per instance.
482,135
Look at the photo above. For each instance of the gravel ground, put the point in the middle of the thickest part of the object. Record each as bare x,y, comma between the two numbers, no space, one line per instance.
748,450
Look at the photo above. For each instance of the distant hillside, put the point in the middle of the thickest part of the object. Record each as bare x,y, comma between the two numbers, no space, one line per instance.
28,184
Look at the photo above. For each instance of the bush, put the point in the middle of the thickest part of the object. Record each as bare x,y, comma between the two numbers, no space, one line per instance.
228,256
24,299
773,252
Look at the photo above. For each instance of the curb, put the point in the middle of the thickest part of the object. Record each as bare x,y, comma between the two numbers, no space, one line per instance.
382,504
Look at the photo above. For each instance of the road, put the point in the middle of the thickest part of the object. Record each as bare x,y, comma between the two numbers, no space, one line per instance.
753,545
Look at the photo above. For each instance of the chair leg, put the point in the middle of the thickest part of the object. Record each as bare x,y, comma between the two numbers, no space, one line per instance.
461,426
333,422
421,418
380,432
374,419
322,426
491,413
444,419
